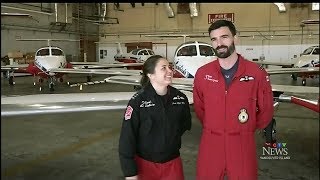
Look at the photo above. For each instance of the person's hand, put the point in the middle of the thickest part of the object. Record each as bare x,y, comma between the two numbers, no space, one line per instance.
132,178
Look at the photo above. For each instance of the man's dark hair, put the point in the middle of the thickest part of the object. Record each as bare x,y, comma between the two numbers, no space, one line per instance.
148,68
223,23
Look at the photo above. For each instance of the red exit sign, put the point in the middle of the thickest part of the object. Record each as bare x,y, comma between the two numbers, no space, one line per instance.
226,16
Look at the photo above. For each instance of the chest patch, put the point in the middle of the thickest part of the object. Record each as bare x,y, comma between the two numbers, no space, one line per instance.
246,78
178,97
177,100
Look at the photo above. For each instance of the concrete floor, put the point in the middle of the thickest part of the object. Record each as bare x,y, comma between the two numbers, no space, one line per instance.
84,145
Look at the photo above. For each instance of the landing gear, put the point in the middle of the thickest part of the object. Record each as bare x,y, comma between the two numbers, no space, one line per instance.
51,86
40,80
270,132
11,81
10,76
294,77
89,78
304,82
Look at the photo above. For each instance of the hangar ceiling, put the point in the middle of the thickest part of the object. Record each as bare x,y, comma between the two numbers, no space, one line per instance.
73,17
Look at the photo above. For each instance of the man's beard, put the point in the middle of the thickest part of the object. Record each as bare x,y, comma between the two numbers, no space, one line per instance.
224,54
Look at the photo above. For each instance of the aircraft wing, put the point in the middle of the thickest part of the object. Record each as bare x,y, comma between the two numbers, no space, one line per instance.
293,70
97,65
64,103
288,65
14,67
187,84
96,71
179,83
295,89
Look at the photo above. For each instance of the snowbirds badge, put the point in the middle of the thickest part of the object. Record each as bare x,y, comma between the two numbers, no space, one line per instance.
243,116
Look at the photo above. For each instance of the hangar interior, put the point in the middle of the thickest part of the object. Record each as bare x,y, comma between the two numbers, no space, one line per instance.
84,145
263,31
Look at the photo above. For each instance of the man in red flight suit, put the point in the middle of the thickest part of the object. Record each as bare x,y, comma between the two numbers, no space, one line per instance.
232,98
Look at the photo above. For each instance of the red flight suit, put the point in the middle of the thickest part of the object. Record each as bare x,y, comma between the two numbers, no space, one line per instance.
227,145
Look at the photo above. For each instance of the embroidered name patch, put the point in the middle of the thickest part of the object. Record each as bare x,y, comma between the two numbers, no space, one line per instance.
128,113
209,78
147,104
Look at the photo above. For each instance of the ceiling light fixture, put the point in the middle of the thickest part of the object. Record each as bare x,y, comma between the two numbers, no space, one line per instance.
315,7
281,7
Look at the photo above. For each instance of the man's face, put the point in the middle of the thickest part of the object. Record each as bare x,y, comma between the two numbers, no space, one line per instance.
162,75
222,41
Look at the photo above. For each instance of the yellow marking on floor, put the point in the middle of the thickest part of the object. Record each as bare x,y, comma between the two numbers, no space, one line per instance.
25,166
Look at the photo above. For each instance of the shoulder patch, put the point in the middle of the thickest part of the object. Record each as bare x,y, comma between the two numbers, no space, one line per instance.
128,113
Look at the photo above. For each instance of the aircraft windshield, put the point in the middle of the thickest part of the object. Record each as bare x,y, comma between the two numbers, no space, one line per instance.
151,52
315,51
56,52
307,51
143,52
206,50
135,51
43,52
187,51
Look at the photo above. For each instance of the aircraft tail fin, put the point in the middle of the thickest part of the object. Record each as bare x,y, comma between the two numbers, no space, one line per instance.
119,49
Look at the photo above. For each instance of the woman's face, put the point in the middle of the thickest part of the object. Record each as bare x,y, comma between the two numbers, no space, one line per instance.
162,75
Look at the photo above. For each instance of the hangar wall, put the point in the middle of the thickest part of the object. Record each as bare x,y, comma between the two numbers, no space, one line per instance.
256,23
263,30
44,23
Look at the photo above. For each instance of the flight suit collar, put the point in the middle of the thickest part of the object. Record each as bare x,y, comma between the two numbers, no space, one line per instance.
152,92
241,67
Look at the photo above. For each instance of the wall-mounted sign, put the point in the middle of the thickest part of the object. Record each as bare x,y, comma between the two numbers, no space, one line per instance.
226,16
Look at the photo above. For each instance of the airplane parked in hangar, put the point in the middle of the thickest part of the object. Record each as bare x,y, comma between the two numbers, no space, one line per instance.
309,58
138,55
50,63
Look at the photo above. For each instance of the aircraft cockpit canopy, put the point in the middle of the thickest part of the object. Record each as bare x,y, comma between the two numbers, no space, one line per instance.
56,52
43,52
191,50
313,50
46,52
206,50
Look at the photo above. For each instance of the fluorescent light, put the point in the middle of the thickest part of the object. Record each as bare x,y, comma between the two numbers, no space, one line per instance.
315,6
281,7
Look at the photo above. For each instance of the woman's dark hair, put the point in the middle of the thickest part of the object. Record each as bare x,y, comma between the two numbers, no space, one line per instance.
148,68
223,23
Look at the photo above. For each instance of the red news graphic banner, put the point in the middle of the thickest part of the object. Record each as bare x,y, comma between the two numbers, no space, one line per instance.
226,16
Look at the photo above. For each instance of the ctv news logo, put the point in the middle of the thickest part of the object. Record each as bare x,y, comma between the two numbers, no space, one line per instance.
275,151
